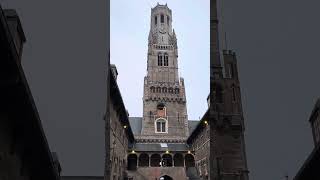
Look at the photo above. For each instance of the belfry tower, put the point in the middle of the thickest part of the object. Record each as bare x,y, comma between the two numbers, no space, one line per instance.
164,101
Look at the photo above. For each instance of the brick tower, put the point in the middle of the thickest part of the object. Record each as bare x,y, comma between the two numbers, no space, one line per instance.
164,102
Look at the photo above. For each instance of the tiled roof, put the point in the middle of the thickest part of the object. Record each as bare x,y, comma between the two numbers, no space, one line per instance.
157,147
136,125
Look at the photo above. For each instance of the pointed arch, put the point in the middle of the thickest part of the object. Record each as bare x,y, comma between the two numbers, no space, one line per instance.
160,59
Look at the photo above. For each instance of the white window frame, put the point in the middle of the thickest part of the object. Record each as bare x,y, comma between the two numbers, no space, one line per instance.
166,126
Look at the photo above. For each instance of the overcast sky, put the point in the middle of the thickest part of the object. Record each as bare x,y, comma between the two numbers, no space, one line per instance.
276,44
130,26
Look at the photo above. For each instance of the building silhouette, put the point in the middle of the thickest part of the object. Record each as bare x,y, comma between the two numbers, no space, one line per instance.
24,150
310,168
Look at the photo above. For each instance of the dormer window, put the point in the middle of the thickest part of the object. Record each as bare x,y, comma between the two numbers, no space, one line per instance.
162,18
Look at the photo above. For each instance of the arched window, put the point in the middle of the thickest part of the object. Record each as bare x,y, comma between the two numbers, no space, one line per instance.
158,89
162,18
144,160
170,90
155,160
155,20
132,162
164,90
168,20
176,90
166,59
161,125
159,59
178,160
152,89
167,160
189,160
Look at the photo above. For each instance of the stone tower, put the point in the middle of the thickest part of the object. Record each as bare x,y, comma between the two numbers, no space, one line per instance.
164,101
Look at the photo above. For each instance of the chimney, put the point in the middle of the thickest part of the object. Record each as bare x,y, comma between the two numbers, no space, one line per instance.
16,30
114,71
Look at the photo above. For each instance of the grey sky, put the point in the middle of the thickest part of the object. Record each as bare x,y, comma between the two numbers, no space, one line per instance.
130,26
276,43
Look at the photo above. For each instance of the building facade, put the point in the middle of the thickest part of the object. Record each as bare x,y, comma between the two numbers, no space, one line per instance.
24,150
121,136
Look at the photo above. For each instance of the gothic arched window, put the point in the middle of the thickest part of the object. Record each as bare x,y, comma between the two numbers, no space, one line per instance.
161,125
159,59
164,90
162,18
155,20
158,90
170,90
166,59
176,91
152,89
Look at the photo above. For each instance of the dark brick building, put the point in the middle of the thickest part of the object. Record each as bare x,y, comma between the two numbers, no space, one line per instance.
310,168
24,150
121,136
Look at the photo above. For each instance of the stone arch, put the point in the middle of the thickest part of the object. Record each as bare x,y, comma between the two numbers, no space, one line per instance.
132,161
167,160
189,160
155,160
178,160
144,160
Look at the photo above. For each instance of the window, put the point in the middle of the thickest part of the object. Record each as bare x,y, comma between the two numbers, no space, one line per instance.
233,94
164,90
168,19
229,71
166,60
158,90
176,91
162,18
152,89
161,126
155,20
159,59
